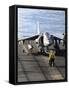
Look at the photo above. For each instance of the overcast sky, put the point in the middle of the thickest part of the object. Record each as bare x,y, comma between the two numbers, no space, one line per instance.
52,21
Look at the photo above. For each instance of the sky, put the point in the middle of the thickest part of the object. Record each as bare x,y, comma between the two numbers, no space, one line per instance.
51,21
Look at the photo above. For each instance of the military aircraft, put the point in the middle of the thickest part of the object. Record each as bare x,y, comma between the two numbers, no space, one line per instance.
42,41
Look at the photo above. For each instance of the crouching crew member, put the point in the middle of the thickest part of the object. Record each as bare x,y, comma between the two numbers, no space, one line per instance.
30,47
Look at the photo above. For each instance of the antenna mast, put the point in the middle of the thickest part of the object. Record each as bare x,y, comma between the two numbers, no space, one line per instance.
38,31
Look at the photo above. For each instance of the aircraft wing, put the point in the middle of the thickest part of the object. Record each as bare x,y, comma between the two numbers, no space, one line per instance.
57,38
36,36
30,38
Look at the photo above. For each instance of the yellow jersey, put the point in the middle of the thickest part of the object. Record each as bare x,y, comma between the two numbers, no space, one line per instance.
51,55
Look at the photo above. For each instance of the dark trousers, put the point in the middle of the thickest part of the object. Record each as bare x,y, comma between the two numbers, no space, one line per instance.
51,62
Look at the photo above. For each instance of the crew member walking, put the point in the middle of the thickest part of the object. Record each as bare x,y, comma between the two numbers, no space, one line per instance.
51,57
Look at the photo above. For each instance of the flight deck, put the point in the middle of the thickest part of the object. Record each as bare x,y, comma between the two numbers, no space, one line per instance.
35,67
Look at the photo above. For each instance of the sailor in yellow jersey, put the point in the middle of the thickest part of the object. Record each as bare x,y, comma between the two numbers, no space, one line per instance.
51,57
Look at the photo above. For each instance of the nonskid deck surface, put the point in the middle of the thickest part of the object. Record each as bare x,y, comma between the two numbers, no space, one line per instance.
36,67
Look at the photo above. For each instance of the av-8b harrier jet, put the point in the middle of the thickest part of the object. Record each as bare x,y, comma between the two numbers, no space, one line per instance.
42,42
